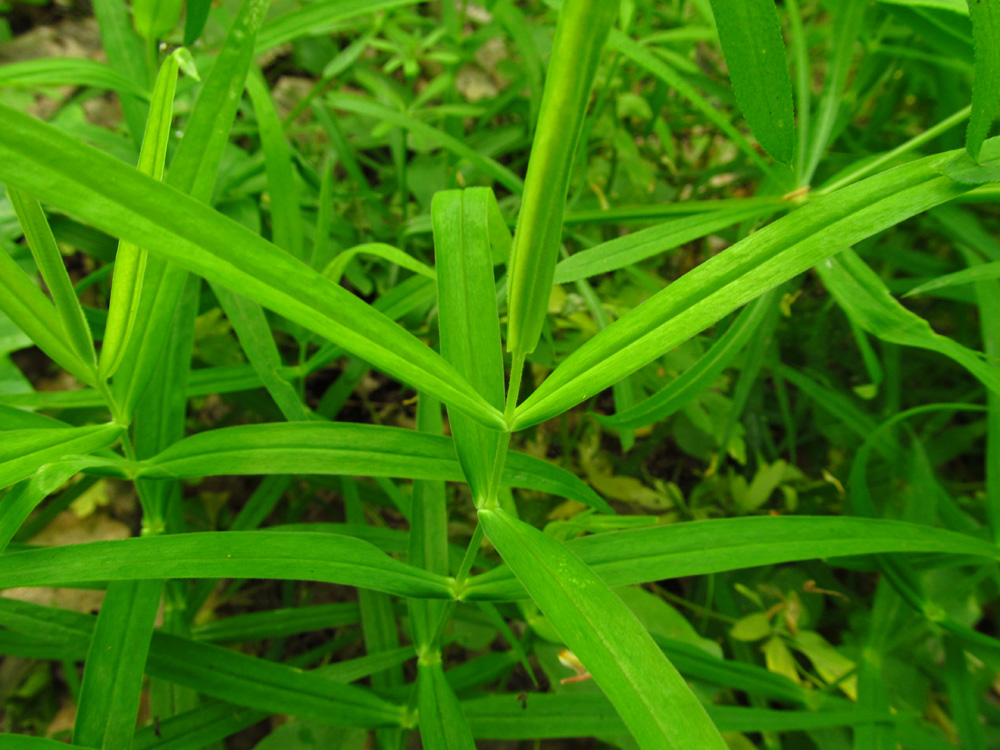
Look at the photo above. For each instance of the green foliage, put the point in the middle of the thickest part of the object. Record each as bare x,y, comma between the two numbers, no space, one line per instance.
703,455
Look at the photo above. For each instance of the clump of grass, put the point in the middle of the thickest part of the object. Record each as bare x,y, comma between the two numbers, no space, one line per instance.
617,531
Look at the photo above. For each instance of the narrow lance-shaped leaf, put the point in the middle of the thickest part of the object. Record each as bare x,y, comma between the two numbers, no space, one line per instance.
124,50
155,18
760,262
130,262
750,34
24,497
428,528
115,198
347,449
580,36
699,376
442,723
195,17
50,263
31,311
281,555
69,71
112,677
22,452
652,699
193,170
335,268
868,302
985,16
469,323
701,547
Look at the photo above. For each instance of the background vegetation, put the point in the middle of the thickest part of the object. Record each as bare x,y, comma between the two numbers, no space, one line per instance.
787,465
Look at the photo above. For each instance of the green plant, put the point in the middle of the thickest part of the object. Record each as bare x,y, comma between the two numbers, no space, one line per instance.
139,381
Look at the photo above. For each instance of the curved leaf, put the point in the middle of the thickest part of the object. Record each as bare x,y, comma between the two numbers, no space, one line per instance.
232,554
701,547
652,699
760,262
113,197
346,449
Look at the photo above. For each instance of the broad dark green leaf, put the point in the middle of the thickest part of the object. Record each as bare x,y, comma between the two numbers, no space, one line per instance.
750,34
347,449
985,16
701,547
576,51
760,262
647,692
469,323
117,199
233,554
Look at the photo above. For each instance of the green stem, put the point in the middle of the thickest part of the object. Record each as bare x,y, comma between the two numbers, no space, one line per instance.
928,135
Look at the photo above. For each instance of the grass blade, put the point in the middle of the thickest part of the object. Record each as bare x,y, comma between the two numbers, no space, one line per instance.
233,554
699,376
335,268
50,263
580,35
428,543
130,261
985,16
193,170
641,56
154,19
701,547
638,246
22,452
69,72
30,310
37,157
347,449
750,34
650,696
442,723
865,298
26,496
317,18
112,678
125,54
469,323
760,262
984,272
